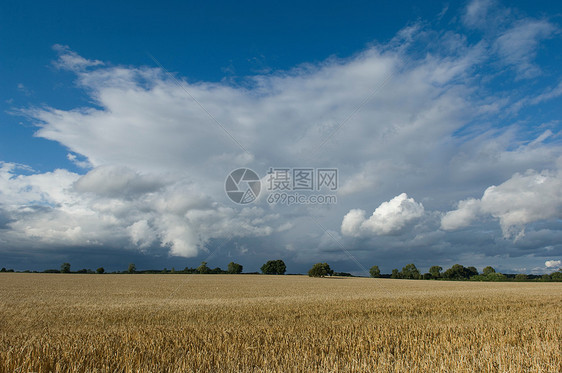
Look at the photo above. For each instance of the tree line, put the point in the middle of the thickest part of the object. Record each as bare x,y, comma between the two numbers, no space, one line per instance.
277,267
456,272
271,267
459,272
233,268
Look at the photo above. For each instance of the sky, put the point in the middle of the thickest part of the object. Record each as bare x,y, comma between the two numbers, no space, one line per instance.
121,123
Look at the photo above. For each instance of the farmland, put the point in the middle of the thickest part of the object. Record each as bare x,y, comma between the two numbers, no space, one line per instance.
257,323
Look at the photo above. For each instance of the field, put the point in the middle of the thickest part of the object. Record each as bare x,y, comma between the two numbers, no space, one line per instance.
252,323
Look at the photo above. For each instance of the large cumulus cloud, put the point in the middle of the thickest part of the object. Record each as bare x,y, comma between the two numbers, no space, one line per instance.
523,199
389,218
421,113
114,206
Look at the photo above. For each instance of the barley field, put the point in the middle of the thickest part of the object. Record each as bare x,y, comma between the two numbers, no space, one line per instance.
253,323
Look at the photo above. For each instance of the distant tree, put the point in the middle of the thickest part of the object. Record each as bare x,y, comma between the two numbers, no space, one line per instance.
234,268
3,269
65,268
435,271
320,270
100,270
521,277
471,271
375,271
51,271
458,272
490,274
427,276
132,268
496,277
343,274
395,273
410,271
83,270
556,276
203,269
274,267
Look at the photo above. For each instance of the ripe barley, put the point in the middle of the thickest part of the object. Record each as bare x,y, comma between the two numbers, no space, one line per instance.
178,323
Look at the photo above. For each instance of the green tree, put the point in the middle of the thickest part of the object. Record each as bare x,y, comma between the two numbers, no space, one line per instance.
375,271
435,271
234,268
487,270
496,277
203,269
100,270
521,277
274,267
459,272
556,276
395,273
3,269
320,270
471,271
132,268
410,271
343,274
65,268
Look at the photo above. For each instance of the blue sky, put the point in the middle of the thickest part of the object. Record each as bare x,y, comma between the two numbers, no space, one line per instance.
443,120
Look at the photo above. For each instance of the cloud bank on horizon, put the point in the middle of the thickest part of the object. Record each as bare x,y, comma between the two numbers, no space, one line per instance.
434,133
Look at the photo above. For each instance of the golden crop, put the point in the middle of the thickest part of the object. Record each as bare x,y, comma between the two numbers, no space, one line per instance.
252,323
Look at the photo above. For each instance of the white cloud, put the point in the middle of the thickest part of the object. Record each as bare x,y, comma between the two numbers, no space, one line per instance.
142,234
45,189
513,38
117,181
523,199
390,217
548,94
74,159
477,12
23,89
352,222
555,264
517,46
465,213
70,60
114,206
